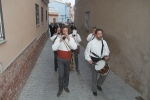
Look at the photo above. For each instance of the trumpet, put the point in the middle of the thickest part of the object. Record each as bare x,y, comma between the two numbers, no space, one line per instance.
64,38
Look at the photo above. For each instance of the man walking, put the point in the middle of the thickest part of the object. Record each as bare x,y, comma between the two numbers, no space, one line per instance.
52,29
98,47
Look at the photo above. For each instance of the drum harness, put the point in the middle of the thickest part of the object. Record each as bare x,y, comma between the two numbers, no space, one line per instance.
97,55
105,70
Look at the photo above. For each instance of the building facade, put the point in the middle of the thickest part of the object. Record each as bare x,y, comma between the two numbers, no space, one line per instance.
62,8
23,33
53,15
126,29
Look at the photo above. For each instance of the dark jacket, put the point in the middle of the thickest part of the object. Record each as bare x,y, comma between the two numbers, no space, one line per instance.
52,29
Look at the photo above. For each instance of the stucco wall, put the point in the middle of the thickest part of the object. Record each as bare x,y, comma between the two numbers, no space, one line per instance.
53,15
20,27
51,18
126,29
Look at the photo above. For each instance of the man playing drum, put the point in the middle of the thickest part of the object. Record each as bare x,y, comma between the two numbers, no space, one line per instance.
97,49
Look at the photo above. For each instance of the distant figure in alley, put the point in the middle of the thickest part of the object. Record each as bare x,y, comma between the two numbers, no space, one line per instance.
77,39
91,36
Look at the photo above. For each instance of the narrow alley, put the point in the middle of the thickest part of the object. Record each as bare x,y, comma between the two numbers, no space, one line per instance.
43,82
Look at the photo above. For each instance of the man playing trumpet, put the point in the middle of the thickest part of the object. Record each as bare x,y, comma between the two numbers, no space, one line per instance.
64,46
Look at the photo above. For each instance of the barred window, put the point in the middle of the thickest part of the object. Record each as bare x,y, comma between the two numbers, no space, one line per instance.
87,21
37,14
46,14
2,36
41,14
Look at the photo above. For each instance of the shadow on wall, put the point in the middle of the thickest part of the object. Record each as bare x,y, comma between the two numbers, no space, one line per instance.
83,35
120,62
113,44
124,67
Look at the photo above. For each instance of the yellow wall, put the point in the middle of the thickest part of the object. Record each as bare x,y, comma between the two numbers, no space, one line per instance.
20,27
51,18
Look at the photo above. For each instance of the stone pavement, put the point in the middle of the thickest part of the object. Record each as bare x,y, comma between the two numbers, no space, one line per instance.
43,82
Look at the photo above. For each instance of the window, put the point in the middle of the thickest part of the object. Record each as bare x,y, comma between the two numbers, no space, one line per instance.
87,21
68,20
46,14
2,36
54,20
41,14
37,14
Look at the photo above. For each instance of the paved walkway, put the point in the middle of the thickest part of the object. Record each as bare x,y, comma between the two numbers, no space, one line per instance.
43,82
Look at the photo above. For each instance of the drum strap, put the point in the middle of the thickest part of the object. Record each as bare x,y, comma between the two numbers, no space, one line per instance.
67,45
101,52
97,56
55,38
93,37
102,47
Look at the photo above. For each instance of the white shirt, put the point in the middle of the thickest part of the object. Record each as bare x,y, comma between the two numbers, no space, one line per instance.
61,46
95,47
58,25
77,38
90,37
54,37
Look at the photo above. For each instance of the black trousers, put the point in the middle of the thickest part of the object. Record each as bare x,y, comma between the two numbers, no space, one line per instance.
55,60
76,58
64,70
52,33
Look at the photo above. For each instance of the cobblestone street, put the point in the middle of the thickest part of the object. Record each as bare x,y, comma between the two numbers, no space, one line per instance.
43,82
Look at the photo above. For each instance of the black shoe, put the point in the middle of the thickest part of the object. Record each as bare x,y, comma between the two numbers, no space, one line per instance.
99,88
78,71
67,90
58,94
95,93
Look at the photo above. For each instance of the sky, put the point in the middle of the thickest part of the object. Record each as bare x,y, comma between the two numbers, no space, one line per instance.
71,1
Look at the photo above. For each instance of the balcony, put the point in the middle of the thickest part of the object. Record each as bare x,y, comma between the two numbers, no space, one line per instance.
46,1
53,10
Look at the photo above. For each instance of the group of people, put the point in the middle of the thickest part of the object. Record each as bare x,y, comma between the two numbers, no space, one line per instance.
53,27
66,45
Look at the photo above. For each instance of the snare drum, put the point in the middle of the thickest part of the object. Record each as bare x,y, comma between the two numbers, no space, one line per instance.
102,67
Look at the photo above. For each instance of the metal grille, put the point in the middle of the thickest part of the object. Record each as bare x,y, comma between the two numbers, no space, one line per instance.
87,21
46,14
37,14
2,36
1,31
41,14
